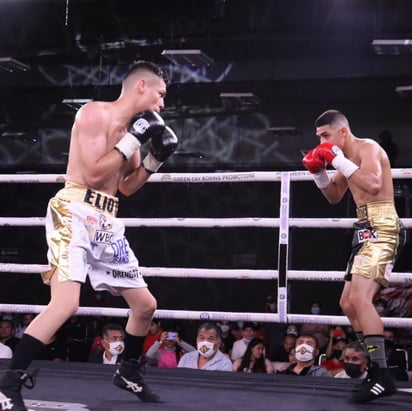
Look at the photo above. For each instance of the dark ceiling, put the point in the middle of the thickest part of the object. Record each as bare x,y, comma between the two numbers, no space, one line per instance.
281,50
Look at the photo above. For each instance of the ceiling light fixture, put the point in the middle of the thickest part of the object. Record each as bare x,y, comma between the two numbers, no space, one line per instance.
392,47
192,58
247,98
10,65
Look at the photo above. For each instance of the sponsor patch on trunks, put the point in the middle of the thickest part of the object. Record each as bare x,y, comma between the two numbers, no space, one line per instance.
366,235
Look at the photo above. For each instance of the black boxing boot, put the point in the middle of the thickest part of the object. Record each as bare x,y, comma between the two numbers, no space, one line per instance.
378,383
11,383
129,377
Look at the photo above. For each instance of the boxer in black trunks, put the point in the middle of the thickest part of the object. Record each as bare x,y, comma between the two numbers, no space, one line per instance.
363,167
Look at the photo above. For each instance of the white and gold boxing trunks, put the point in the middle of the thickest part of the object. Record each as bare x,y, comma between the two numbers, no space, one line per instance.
378,238
86,239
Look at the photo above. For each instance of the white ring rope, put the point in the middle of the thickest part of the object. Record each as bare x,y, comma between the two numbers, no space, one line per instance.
217,273
210,222
284,223
210,315
241,177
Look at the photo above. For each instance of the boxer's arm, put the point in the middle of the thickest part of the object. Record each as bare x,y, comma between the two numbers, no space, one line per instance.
134,179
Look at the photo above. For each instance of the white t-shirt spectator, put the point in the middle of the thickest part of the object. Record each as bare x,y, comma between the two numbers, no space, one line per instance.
5,351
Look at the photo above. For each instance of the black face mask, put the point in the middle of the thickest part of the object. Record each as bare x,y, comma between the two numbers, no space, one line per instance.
336,354
353,370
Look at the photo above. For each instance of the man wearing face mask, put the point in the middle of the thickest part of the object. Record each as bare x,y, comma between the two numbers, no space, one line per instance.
113,344
355,361
208,356
306,351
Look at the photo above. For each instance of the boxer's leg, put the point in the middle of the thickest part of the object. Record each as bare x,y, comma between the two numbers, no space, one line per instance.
129,375
379,382
63,303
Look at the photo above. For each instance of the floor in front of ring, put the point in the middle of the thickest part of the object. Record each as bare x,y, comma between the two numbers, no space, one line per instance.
82,386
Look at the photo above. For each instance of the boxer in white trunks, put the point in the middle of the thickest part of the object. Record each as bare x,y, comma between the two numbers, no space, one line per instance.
85,237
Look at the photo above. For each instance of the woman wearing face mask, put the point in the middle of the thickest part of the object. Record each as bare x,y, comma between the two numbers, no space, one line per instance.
167,351
254,359
355,362
306,351
112,343
208,356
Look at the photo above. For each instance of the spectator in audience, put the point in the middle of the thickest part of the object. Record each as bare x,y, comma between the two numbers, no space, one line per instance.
112,343
335,362
254,360
306,352
248,334
208,355
320,331
396,359
24,321
7,334
281,353
5,351
292,329
336,334
154,333
167,350
228,339
355,361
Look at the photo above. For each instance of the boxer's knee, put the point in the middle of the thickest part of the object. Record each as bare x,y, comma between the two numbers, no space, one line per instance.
144,312
345,305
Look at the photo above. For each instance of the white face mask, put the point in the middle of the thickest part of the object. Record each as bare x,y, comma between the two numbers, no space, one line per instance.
205,348
224,328
116,348
304,352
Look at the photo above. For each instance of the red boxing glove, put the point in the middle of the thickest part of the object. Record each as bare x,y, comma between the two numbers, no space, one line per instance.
334,155
327,152
313,163
317,167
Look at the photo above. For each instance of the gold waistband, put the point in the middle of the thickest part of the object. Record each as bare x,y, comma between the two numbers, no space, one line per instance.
100,201
377,208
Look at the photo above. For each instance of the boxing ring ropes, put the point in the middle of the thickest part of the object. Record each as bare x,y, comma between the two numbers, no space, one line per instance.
281,274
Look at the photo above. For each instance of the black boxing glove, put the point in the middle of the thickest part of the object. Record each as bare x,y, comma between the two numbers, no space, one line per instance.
141,128
162,146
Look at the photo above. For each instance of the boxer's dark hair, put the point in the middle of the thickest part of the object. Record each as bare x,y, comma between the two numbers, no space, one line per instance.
330,117
148,66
